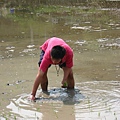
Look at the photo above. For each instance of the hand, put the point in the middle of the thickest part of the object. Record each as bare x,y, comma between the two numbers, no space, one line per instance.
65,84
63,81
31,97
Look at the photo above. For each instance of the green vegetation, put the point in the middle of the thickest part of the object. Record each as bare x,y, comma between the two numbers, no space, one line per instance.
46,11
65,84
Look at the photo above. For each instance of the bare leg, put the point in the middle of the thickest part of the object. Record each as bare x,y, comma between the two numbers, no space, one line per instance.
70,81
44,83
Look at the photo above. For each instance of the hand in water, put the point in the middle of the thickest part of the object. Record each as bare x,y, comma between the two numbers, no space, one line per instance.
31,97
65,84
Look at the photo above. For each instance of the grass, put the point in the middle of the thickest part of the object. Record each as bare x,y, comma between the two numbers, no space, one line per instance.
46,12
98,114
46,9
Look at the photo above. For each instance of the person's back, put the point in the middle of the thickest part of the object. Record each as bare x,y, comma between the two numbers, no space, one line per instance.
47,48
51,42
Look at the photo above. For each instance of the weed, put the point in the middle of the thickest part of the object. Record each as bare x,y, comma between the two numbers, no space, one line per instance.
99,114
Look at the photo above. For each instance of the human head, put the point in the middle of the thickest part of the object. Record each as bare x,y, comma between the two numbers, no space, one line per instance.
57,53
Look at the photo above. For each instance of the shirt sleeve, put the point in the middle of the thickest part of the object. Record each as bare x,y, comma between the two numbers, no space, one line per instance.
44,65
45,45
69,60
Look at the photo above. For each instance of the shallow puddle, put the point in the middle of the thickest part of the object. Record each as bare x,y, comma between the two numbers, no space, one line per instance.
95,41
94,100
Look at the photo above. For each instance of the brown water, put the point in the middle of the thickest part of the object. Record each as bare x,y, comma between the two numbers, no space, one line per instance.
96,70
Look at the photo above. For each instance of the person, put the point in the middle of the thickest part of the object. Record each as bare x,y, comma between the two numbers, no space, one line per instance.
54,51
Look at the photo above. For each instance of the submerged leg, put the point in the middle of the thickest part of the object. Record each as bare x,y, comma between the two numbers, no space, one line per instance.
70,80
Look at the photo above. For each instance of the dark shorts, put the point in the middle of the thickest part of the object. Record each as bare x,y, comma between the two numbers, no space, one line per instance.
41,57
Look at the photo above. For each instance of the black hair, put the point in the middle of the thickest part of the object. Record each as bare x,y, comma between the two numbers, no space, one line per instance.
58,52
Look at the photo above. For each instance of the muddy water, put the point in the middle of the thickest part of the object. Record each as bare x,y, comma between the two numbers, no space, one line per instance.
96,71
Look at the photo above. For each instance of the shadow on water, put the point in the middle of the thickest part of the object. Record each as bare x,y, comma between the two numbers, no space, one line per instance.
95,39
24,108
68,97
96,100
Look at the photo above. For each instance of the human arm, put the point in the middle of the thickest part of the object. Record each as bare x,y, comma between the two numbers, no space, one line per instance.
68,81
69,64
41,77
66,73
38,80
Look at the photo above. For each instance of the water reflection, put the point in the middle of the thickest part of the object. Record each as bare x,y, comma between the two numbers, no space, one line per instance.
95,39
98,100
109,43
102,101
69,97
17,108
57,97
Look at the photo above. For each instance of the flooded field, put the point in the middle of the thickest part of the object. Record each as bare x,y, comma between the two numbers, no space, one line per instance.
95,40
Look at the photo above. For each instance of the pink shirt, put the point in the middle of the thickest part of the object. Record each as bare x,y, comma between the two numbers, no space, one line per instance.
48,45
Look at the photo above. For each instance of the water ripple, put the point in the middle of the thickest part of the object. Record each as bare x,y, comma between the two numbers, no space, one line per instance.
94,100
102,101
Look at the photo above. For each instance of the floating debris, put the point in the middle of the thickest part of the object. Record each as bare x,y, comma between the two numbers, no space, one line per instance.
117,28
8,48
112,45
80,42
87,22
17,82
1,57
102,39
98,30
23,32
81,28
28,50
11,50
8,84
30,46
2,41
